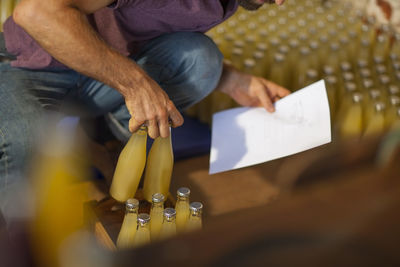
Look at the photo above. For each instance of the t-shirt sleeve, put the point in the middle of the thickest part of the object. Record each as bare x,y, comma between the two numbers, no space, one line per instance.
122,3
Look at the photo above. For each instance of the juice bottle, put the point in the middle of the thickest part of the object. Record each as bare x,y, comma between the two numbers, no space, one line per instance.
277,74
195,217
142,236
394,105
159,165
352,124
376,124
372,98
182,208
130,167
331,89
6,8
168,228
129,225
156,215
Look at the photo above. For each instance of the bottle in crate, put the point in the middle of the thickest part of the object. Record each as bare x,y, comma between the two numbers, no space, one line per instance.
182,208
351,124
156,215
168,228
142,236
195,216
159,166
391,114
376,124
129,224
130,167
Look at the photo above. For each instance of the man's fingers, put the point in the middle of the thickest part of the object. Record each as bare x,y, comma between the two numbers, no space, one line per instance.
134,125
275,89
265,100
153,129
163,126
175,116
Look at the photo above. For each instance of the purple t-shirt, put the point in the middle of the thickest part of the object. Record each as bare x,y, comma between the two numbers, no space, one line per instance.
126,25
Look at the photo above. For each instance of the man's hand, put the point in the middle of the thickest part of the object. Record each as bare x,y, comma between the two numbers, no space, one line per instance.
248,90
62,29
148,103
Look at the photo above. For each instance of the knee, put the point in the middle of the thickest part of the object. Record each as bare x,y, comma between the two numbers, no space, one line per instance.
201,65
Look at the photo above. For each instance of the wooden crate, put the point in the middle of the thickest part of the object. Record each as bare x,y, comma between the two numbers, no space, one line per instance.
105,217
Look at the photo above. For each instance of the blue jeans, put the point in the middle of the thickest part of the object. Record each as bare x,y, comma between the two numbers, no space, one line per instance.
186,65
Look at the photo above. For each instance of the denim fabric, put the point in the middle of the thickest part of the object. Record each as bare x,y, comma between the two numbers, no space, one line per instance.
186,65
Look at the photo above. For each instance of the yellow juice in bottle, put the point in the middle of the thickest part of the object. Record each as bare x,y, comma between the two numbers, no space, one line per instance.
352,124
6,8
168,228
376,124
182,208
129,225
156,215
130,167
158,168
142,236
195,217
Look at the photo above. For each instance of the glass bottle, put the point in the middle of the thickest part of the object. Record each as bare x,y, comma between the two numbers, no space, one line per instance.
352,124
331,89
129,224
130,167
311,76
376,124
159,166
374,96
168,228
277,74
395,125
156,215
302,67
142,236
195,217
394,105
182,208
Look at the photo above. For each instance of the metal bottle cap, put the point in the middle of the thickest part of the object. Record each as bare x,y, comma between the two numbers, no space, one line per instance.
262,47
143,218
196,206
311,73
394,89
331,79
305,51
357,97
375,94
157,198
384,79
381,69
345,66
379,106
350,87
249,63
258,55
284,49
365,73
394,100
169,213
348,76
279,57
183,192
368,83
334,46
293,43
314,45
394,56
362,63
328,70
132,203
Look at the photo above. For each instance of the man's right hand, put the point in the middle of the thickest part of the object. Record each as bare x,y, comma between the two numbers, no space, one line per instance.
61,27
149,104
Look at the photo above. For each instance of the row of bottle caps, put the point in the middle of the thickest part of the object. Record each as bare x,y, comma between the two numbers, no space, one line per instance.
161,223
304,41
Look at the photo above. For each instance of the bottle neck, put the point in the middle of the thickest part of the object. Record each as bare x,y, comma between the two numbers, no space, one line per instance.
131,211
183,199
169,219
195,214
157,205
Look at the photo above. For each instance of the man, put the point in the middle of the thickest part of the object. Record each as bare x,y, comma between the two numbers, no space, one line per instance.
133,61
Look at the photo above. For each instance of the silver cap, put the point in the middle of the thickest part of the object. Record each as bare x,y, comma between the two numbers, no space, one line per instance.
143,218
379,106
329,70
132,203
357,97
331,79
394,89
169,213
183,192
345,66
381,69
384,79
375,94
394,100
157,198
362,63
196,206
368,83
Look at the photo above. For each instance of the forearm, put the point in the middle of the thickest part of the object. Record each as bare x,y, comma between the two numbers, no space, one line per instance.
225,82
67,35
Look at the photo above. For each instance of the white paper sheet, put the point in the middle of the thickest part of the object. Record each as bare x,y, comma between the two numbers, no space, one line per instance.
247,136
